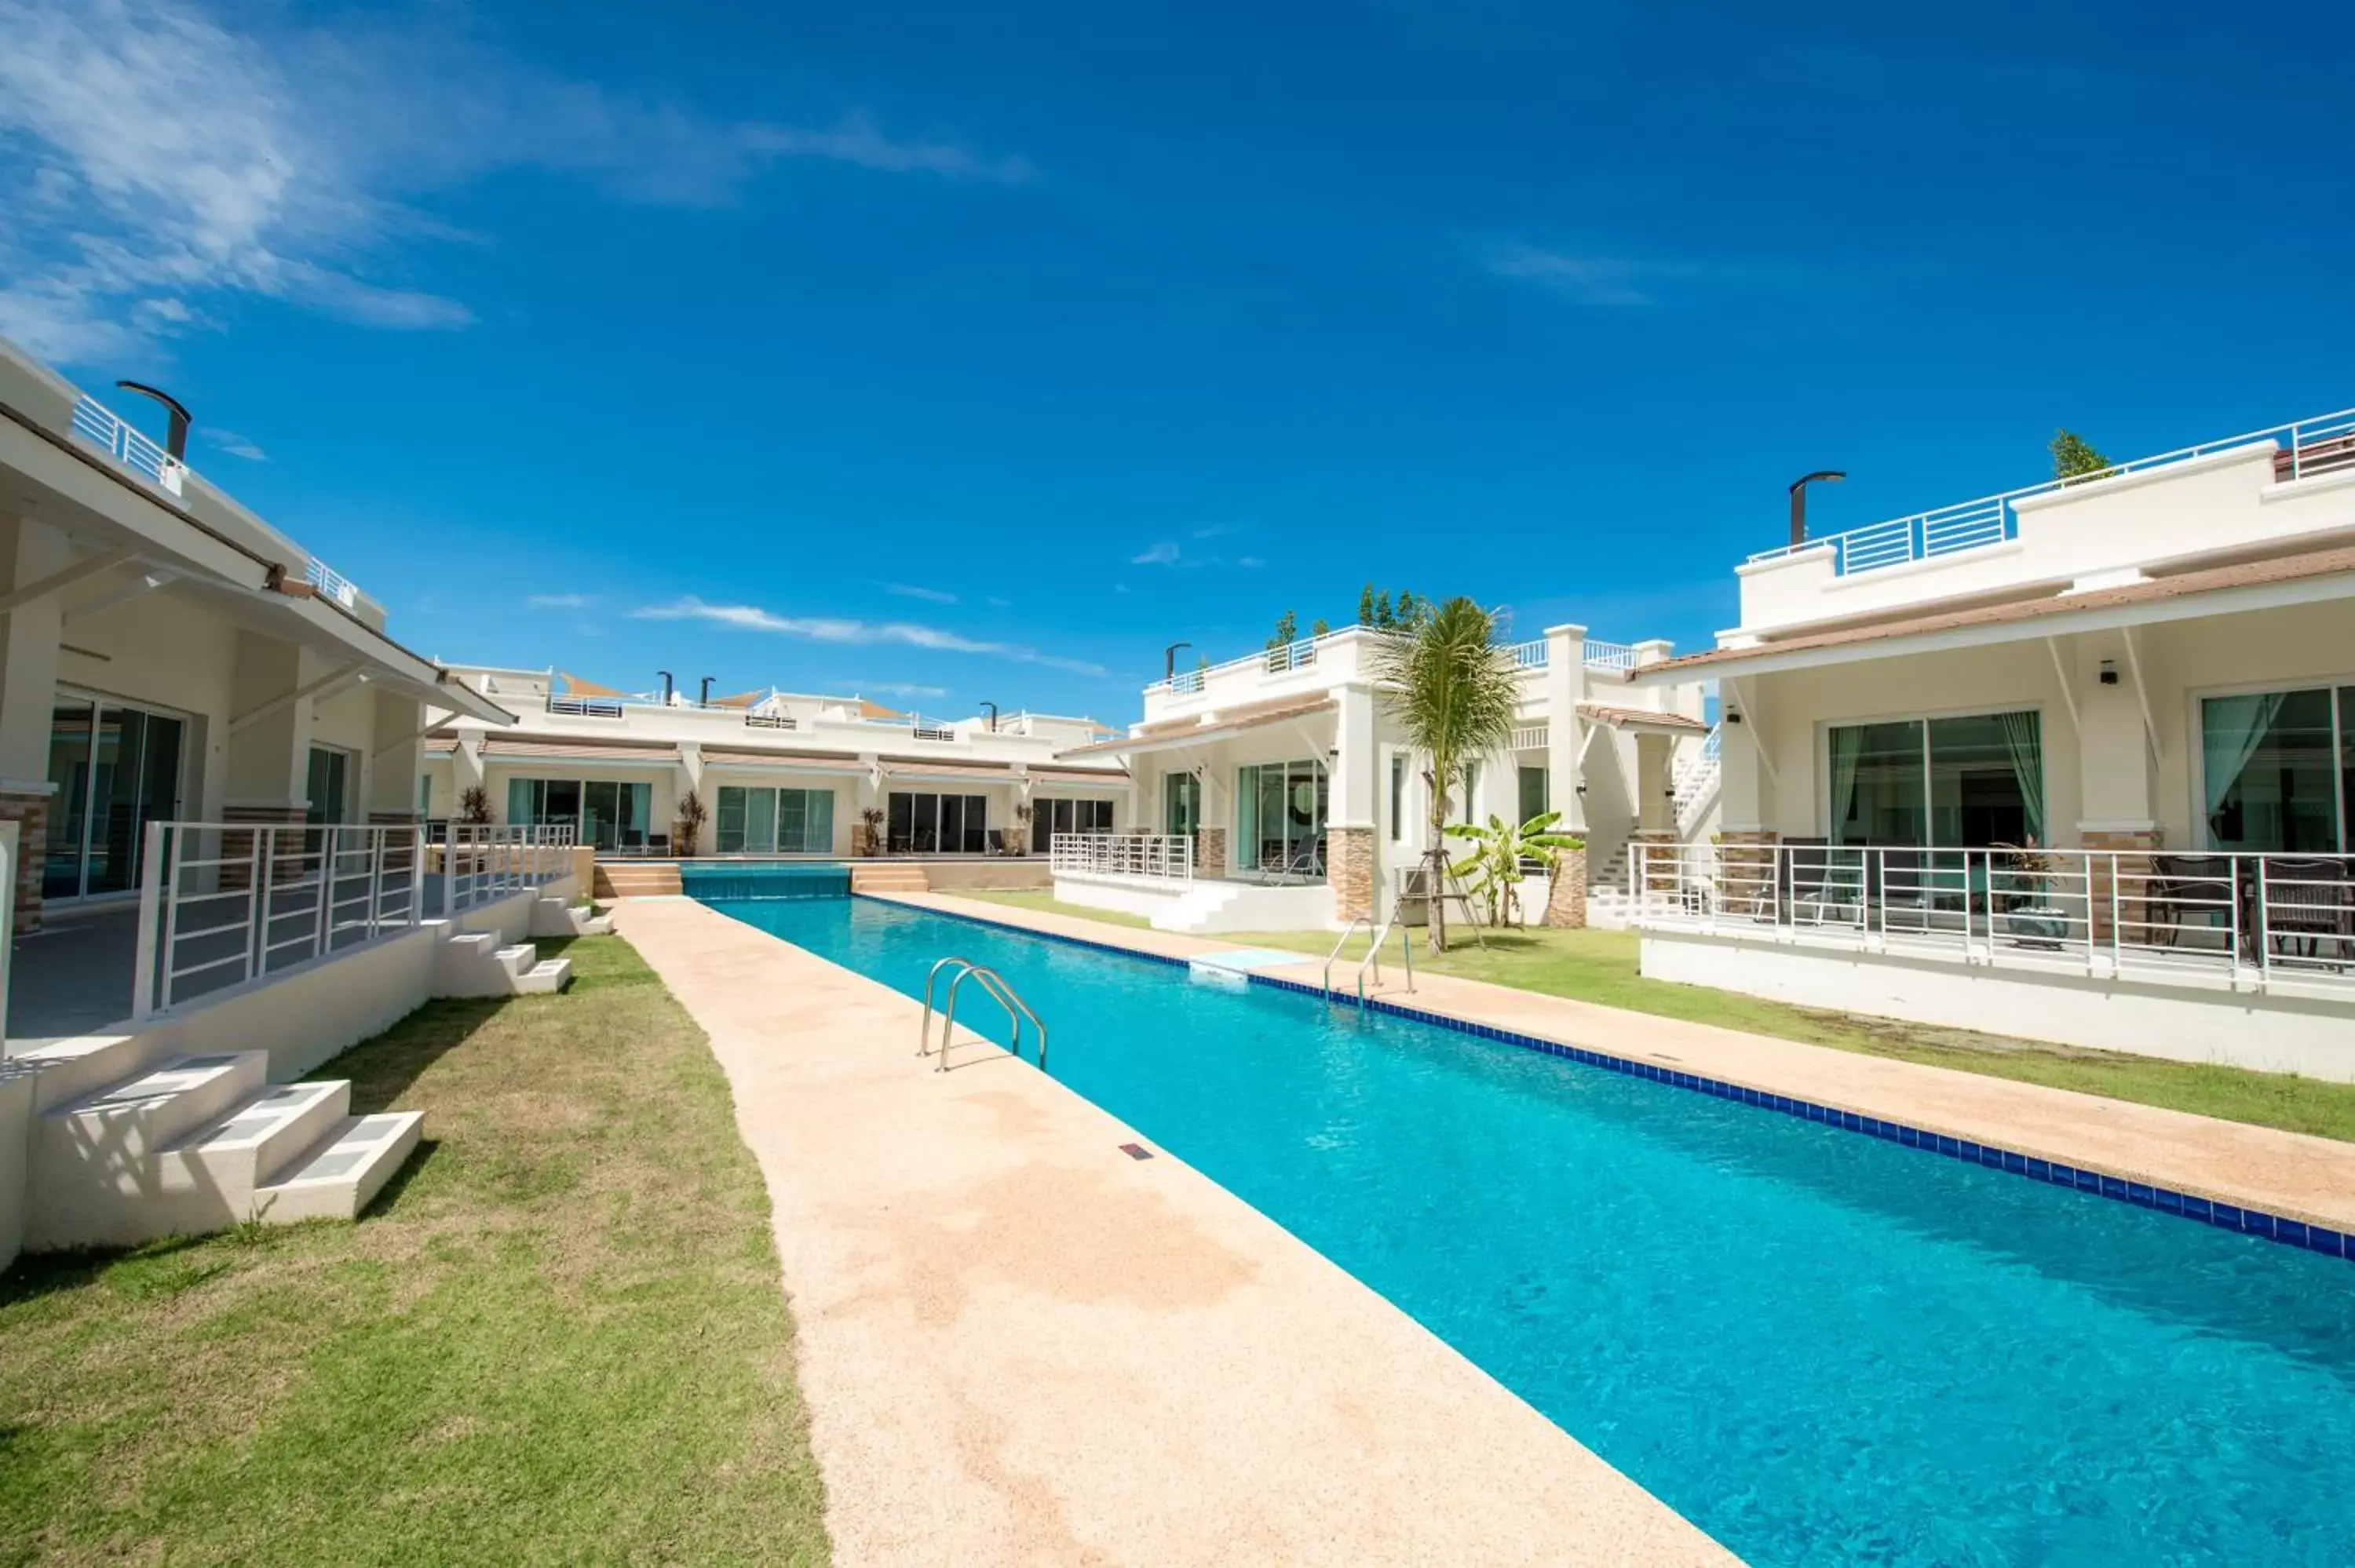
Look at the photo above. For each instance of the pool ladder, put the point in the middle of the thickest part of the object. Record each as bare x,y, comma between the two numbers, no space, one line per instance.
990,981
1373,958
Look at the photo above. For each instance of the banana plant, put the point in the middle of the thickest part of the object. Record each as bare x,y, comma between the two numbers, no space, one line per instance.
1499,855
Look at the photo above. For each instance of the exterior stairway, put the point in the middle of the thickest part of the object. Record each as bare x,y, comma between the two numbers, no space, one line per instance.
475,963
889,876
202,1143
637,879
1608,907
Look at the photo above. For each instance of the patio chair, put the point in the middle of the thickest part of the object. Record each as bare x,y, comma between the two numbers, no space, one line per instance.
2188,888
2308,899
1825,878
997,841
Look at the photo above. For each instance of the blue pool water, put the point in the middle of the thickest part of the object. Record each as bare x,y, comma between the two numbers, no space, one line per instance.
1819,1346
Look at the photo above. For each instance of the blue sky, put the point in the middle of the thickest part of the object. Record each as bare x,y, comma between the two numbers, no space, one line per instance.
956,354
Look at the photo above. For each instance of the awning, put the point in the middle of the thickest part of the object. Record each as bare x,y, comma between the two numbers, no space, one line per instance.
2313,577
515,748
574,686
796,761
916,768
1176,735
1641,719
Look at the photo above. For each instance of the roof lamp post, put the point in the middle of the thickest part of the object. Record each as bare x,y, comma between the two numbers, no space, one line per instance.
1799,500
176,435
993,716
670,686
1169,661
703,697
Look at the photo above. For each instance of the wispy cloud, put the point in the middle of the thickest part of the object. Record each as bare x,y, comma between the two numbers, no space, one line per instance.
1163,553
558,601
156,157
899,689
833,629
1606,280
1167,554
232,443
930,595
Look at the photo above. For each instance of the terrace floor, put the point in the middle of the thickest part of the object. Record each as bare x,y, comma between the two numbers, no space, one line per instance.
1020,1346
2284,1173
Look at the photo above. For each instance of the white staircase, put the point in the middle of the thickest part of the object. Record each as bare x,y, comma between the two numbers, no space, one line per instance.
475,963
558,917
202,1143
1608,907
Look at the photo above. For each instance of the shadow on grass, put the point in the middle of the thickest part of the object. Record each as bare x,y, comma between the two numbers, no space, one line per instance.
388,1196
40,1273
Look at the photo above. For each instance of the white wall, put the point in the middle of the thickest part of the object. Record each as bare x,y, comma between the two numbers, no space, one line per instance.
2269,1034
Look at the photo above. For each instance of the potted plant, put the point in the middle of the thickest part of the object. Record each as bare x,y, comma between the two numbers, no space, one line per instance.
2029,913
691,817
474,806
870,842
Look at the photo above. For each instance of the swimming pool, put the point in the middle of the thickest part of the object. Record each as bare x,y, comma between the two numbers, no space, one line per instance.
1816,1346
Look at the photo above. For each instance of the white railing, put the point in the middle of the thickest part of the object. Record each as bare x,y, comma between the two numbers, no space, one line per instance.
2242,922
94,422
1281,659
2325,444
333,583
481,860
1608,655
587,708
1695,783
932,732
1165,855
771,721
1531,736
1529,655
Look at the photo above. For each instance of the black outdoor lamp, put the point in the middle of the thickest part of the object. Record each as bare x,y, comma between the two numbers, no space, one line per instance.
703,697
670,686
176,435
1799,499
1169,659
993,716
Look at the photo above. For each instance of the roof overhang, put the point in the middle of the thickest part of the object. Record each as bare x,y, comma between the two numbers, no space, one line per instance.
2318,578
1640,720
535,748
1180,736
101,508
783,761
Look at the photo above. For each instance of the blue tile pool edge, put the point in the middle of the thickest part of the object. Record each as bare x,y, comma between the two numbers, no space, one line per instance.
2164,1200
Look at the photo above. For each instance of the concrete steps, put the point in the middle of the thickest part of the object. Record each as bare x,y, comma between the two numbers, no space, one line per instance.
889,876
195,1144
556,918
475,963
624,879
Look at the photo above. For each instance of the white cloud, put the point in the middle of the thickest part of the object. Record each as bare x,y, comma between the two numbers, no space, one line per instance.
1163,553
1620,281
558,601
900,689
908,591
232,443
154,157
835,629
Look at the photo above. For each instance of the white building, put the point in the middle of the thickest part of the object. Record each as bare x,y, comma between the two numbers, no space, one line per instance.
215,877
1275,794
2148,674
777,773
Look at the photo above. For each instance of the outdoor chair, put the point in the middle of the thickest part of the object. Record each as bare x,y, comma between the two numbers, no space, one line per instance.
2191,889
1826,879
997,841
2308,899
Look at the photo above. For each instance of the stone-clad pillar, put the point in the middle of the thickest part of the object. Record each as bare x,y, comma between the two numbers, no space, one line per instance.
1349,867
1566,897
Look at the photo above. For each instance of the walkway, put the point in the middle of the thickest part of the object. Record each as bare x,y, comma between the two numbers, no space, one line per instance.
2284,1173
1020,1346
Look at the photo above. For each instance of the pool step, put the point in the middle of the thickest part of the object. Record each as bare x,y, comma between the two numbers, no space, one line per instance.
627,879
889,876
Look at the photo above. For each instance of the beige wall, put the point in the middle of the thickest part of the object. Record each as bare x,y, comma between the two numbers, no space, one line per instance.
2100,771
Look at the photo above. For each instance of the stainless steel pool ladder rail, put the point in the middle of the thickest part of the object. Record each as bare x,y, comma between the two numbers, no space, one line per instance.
1348,931
996,984
1374,956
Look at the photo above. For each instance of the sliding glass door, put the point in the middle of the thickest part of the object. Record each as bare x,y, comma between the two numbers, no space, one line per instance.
604,813
774,822
1050,818
1181,805
116,769
329,785
919,822
1279,812
1952,783
2277,771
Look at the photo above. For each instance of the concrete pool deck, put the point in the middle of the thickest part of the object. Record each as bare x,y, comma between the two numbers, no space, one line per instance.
2284,1173
1019,1345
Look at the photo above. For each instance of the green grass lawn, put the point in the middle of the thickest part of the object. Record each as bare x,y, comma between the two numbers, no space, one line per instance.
1600,967
558,1337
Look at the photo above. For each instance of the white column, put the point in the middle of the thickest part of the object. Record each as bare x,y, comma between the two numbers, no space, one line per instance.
1565,685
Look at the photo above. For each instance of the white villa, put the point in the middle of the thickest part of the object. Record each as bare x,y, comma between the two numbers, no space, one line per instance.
211,860
778,773
1276,794
2075,761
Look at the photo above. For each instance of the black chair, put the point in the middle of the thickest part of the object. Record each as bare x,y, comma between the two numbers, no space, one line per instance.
997,841
2187,888
2306,898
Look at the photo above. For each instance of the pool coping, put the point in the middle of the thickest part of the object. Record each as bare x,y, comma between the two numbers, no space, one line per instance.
2305,1231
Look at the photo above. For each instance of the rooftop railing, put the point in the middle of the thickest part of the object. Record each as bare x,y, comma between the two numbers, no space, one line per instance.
1609,655
332,583
2324,444
1287,657
96,423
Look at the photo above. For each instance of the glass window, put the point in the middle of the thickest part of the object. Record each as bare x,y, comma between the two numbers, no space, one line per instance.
1467,808
1532,794
2275,770
116,769
1181,804
761,822
328,784
1966,782
1280,808
1398,794
1879,794
727,820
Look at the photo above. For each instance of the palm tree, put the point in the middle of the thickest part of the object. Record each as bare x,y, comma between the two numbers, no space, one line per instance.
1450,686
1501,849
